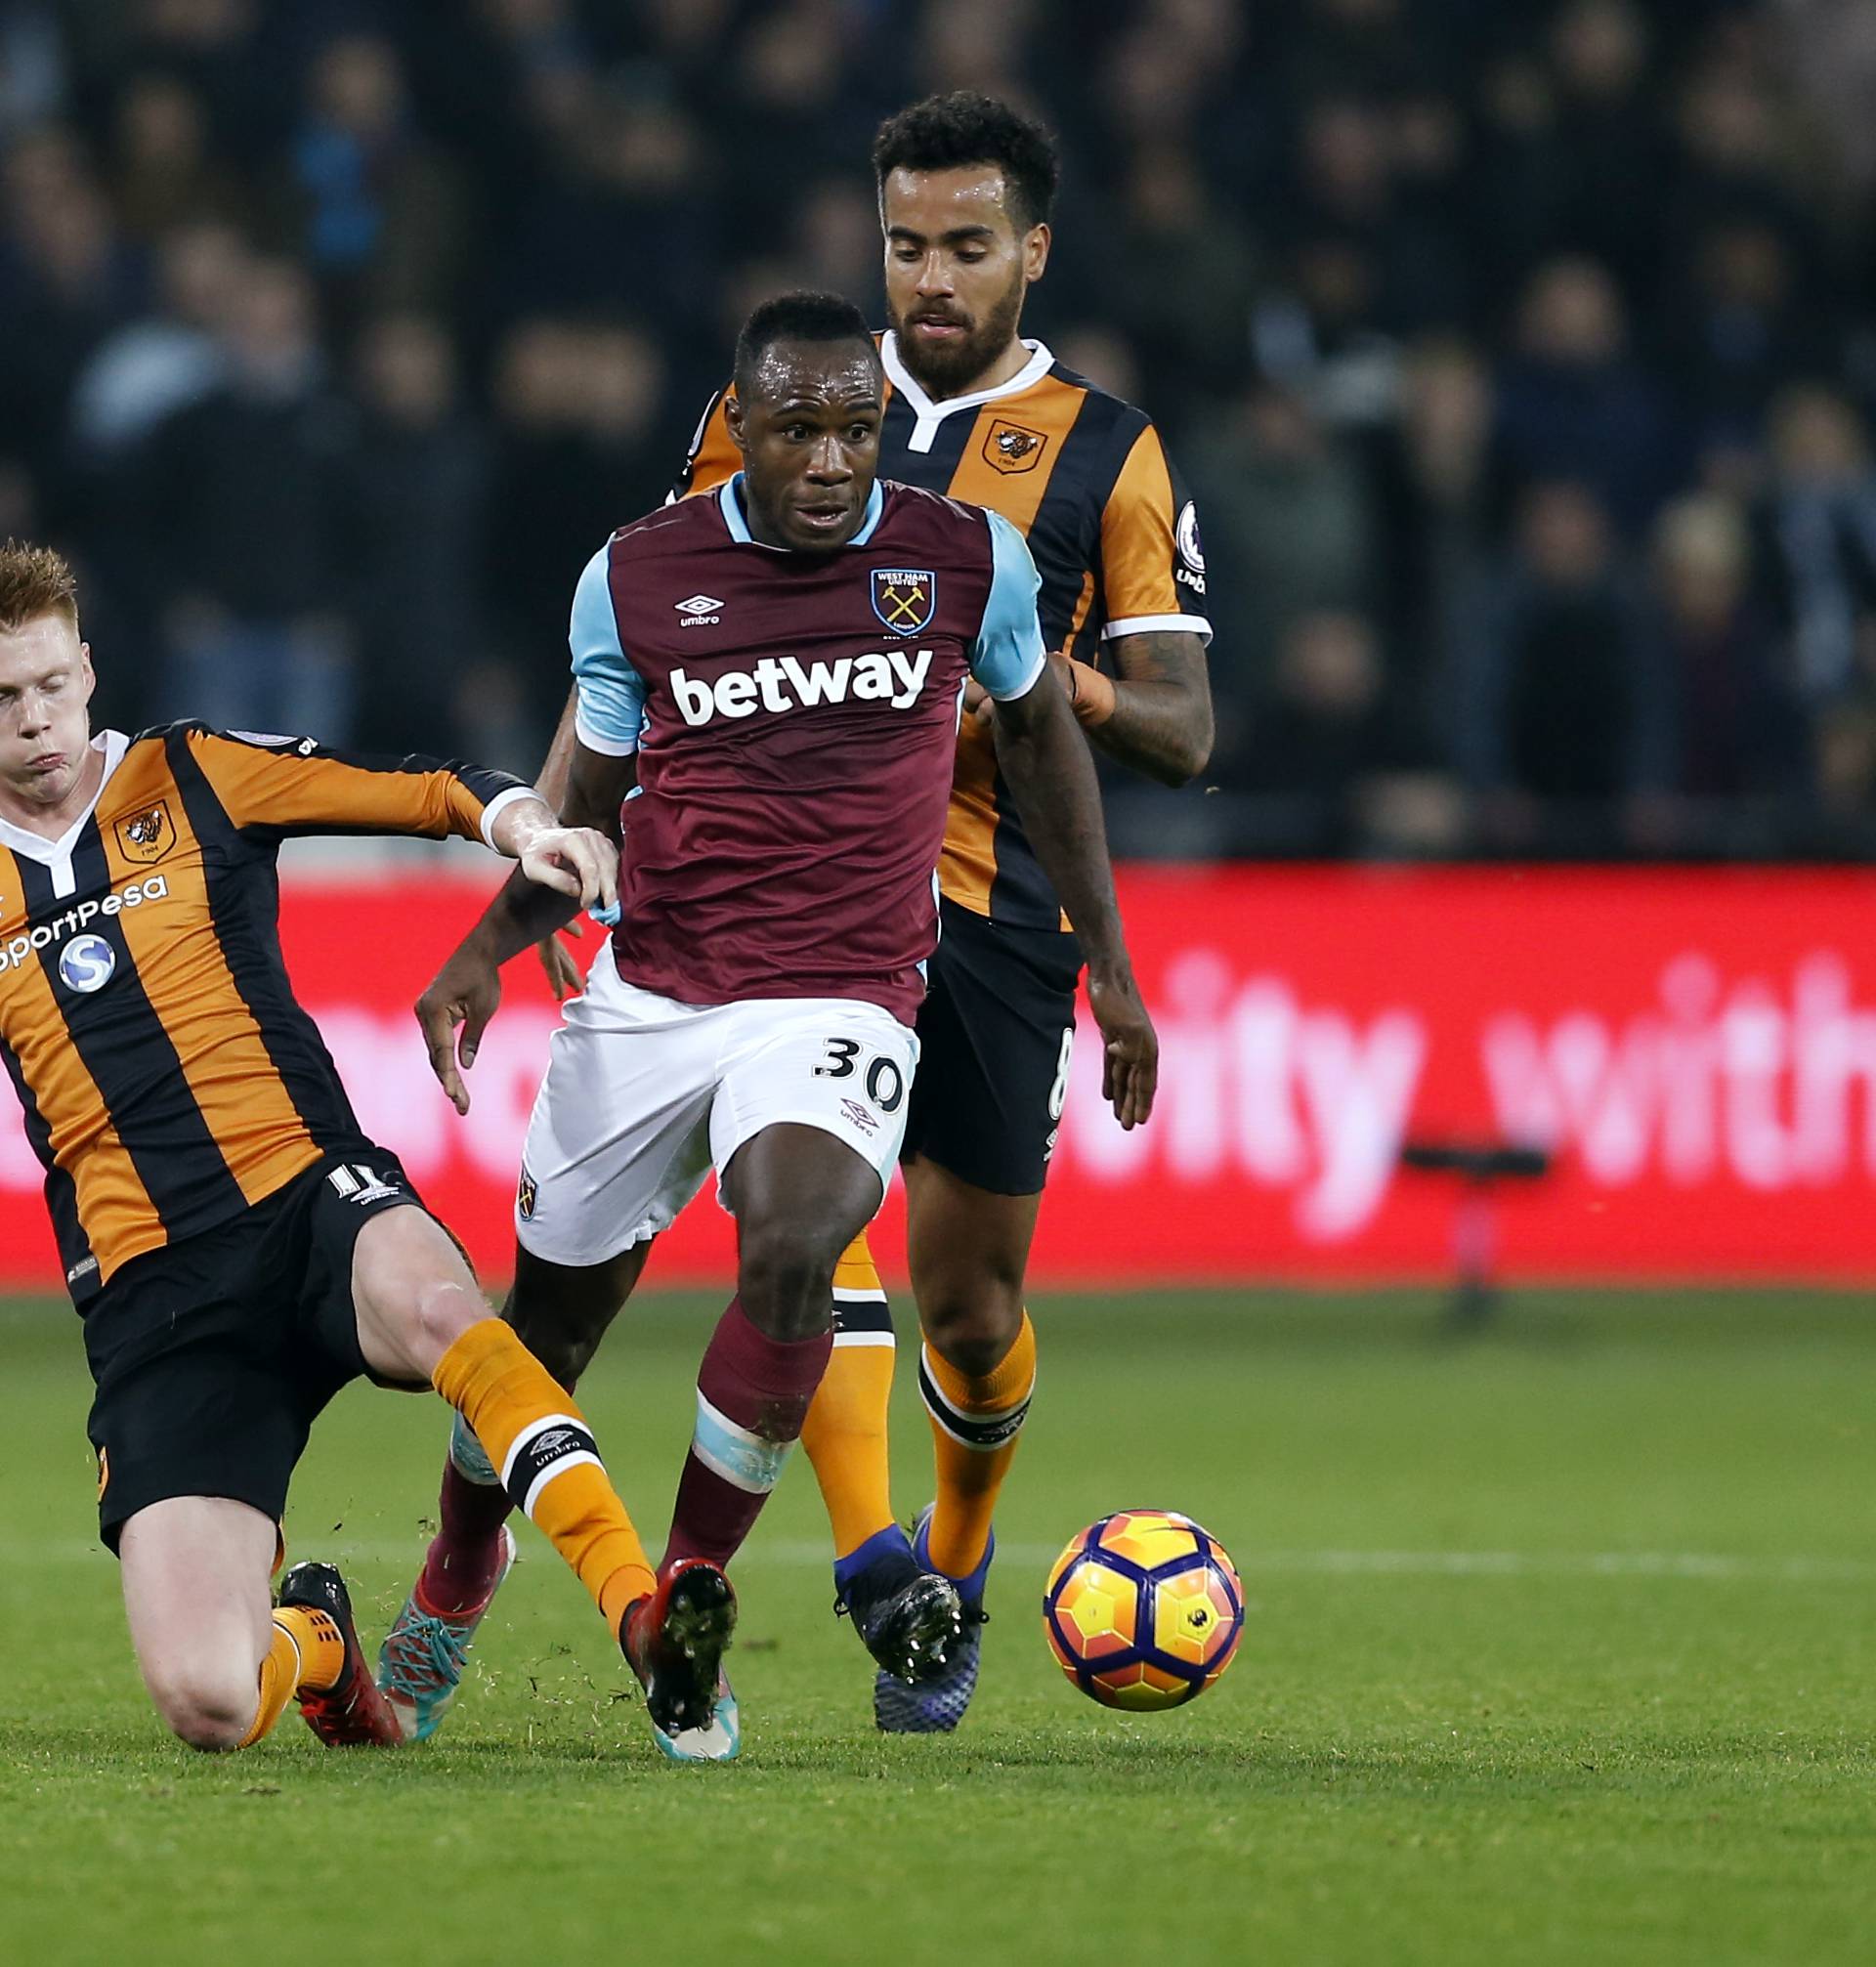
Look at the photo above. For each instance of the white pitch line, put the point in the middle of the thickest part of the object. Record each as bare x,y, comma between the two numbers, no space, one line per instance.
805,1554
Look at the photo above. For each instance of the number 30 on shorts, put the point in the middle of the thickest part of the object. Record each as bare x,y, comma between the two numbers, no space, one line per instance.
884,1082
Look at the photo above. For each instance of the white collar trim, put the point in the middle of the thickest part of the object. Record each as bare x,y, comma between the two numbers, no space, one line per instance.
929,415
57,853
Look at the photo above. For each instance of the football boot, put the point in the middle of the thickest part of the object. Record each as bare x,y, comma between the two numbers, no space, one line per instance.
351,1713
935,1703
421,1660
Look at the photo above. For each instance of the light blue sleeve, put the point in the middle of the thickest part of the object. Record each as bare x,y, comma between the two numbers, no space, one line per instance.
1007,655
611,709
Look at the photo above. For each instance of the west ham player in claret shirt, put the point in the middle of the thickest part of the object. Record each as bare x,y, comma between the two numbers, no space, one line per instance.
980,411
769,683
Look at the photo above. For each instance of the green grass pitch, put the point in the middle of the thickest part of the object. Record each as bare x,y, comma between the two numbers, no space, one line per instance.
1561,1647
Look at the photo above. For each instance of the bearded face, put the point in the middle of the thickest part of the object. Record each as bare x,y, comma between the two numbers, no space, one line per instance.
958,266
947,345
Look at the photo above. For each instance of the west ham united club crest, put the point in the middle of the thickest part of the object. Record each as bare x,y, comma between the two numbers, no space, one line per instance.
905,598
525,1196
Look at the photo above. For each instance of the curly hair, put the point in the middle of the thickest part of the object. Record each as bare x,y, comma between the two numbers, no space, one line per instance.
945,132
36,580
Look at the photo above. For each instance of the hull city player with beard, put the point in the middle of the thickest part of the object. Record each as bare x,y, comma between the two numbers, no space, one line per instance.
965,187
973,410
238,1249
768,681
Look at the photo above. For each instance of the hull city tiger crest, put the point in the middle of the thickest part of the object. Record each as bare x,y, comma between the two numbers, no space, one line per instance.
1011,447
905,598
146,836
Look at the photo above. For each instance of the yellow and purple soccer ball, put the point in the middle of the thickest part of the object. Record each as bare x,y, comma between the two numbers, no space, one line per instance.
1143,1610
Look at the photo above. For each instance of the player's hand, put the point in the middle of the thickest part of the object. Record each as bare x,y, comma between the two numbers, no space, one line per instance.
564,977
576,862
980,707
1090,694
1130,1048
465,993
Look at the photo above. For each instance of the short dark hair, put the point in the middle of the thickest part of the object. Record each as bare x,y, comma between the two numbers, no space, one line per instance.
943,133
797,317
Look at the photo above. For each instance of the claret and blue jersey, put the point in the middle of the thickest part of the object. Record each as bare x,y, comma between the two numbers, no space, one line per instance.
793,717
1086,482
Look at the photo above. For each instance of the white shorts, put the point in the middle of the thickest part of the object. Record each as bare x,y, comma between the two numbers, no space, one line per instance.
644,1095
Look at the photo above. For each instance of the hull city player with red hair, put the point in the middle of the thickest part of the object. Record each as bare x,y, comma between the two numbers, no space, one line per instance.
238,1249
769,683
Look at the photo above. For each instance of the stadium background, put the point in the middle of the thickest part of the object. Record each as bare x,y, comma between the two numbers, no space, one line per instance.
1520,353
1520,358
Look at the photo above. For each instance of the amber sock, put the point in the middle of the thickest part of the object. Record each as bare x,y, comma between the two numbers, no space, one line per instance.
305,1652
975,1423
539,1443
845,1432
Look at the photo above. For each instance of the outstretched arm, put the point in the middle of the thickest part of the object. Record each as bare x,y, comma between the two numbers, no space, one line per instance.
524,911
1153,712
1044,757
551,782
1047,764
466,992
274,787
1156,715
712,459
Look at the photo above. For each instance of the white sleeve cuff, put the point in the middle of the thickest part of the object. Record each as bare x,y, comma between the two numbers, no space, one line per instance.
607,748
1156,624
498,805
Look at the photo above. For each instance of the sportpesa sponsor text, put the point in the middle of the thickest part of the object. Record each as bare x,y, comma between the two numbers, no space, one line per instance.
15,951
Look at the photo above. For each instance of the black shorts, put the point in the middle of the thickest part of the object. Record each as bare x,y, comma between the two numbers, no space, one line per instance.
212,1357
995,1033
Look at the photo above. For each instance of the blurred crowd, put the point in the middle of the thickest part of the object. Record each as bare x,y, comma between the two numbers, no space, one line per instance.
1520,352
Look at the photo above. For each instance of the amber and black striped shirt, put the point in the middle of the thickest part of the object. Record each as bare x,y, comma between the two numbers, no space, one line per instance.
1086,479
168,1077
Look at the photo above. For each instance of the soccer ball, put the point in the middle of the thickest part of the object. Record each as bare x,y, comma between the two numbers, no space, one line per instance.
1143,1610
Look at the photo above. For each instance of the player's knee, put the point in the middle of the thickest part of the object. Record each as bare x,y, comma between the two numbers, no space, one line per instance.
784,1276
972,1325
208,1709
442,1311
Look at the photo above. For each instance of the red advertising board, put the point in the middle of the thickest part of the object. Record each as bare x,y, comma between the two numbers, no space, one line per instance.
1696,1048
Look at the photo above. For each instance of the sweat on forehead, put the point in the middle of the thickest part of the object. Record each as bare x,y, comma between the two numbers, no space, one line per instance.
832,372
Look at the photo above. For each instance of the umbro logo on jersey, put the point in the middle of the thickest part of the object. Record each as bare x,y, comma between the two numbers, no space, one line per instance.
896,677
699,611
